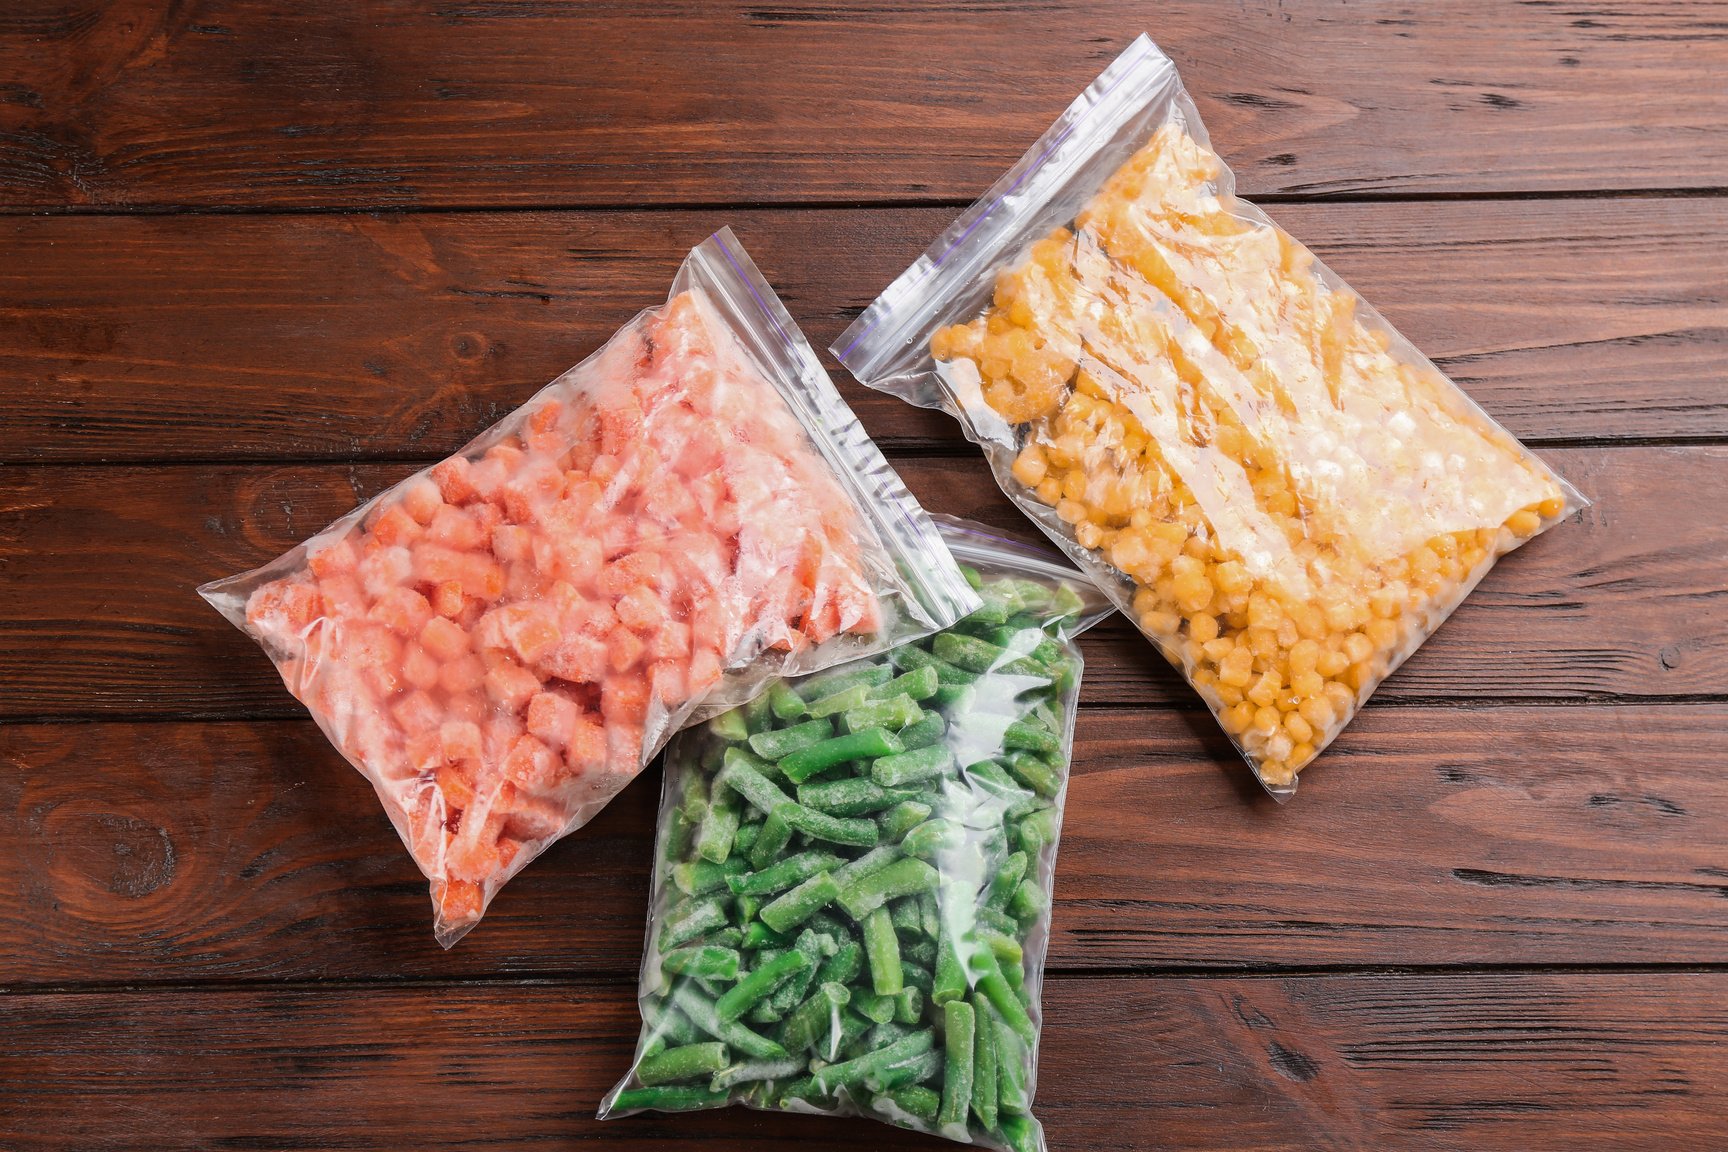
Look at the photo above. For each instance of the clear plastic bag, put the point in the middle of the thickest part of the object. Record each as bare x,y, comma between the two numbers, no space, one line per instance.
500,642
1278,488
851,882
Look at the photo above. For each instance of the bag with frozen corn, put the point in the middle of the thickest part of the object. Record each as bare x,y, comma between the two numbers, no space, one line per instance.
1278,488
851,893
500,642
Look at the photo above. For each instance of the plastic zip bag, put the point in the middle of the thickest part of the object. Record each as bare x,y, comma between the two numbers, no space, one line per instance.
500,642
852,877
1279,489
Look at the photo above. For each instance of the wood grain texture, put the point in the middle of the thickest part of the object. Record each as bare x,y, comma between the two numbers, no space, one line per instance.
98,615
335,337
537,102
141,853
1481,1061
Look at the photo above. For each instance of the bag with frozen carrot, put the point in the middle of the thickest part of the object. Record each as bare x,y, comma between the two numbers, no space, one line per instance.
1279,489
500,642
852,885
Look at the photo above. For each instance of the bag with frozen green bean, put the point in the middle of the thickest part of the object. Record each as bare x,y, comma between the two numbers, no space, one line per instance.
853,871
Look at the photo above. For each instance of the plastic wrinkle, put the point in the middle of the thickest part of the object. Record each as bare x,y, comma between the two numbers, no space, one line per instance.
1281,491
502,641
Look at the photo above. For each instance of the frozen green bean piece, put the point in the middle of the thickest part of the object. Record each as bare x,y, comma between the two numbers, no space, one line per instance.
956,698
785,703
694,919
929,729
701,1011
1037,830
973,577
959,1024
885,1034
969,653
742,996
665,1099
844,966
757,717
815,1019
882,950
911,657
931,837
909,1005
741,776
902,818
691,1062
852,1030
754,1070
827,925
792,870
743,840
714,838
914,1102
1006,879
772,841
950,975
919,684
877,1009
917,976
778,743
987,978
1012,1093
919,950
700,877
840,679
1010,955
789,995
730,726
1021,1133
1000,921
1031,736
805,1091
904,877
915,767
864,745
1028,901
985,1079
856,832
672,1027
679,834
850,1072
872,861
793,908
758,935
925,1066
895,713
839,701
853,796
763,1013
930,914
904,913
706,961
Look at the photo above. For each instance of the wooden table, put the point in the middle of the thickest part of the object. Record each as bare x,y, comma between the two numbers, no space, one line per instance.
260,258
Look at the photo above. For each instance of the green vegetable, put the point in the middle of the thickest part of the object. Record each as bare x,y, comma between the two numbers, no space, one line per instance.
958,1044
691,1062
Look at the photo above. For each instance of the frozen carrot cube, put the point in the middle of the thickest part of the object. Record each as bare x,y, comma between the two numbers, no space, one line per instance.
402,610
455,780
463,674
334,558
419,668
454,528
511,686
394,527
421,499
578,659
458,901
417,712
455,480
511,542
460,740
624,650
444,639
531,629
642,610
531,765
624,700
531,818
552,718
447,599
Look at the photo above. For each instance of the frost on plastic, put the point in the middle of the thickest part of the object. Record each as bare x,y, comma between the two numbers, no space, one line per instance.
1283,493
851,890
502,641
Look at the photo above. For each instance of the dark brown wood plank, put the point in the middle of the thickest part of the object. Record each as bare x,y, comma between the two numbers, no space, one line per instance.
1427,836
1489,1061
537,102
98,614
306,337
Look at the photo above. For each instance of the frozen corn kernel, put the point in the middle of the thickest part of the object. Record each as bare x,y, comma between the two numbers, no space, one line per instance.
1297,496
